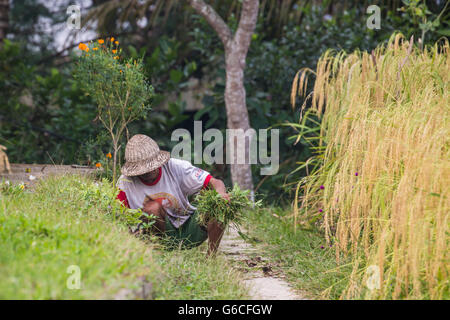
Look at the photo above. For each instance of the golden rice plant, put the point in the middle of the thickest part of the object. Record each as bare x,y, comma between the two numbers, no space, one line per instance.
382,188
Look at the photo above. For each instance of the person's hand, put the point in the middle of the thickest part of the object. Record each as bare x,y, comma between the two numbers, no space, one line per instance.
219,186
225,195
147,205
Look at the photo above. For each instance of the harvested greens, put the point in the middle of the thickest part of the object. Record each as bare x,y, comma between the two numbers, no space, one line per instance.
211,205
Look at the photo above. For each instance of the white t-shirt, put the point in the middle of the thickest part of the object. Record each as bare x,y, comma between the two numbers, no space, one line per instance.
177,180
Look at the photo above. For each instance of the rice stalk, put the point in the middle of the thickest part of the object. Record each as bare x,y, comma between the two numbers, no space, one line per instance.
385,170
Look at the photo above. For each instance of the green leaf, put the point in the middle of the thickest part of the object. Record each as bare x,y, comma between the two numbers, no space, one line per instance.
444,32
176,75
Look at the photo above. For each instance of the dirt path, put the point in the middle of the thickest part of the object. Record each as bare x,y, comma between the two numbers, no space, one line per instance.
29,174
262,278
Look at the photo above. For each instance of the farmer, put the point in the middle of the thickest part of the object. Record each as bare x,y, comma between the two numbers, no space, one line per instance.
160,186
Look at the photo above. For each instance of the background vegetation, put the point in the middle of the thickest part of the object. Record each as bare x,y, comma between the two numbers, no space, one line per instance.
45,117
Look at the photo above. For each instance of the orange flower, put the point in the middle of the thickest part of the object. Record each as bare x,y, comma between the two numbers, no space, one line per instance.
87,49
120,71
116,42
83,47
114,51
95,48
112,39
101,41
116,57
98,165
108,155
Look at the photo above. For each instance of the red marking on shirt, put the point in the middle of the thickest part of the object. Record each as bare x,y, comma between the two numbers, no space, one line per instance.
122,197
154,182
206,182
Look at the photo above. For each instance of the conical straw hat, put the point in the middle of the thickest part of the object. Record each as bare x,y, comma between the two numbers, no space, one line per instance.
142,155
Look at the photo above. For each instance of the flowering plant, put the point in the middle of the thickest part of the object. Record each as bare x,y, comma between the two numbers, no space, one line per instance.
116,84
8,188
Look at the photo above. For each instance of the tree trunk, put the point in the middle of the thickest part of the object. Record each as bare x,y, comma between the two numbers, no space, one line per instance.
237,117
236,48
4,19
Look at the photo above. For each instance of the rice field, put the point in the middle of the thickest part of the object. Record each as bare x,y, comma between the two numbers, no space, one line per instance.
379,183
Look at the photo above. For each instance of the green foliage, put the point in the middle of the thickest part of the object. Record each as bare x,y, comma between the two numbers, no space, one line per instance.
169,71
421,17
270,68
103,194
211,205
94,150
44,116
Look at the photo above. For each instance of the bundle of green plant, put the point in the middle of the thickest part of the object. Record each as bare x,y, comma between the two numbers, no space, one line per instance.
211,205
381,187
118,86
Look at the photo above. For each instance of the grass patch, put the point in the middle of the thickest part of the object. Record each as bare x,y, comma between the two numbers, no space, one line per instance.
190,276
306,260
74,221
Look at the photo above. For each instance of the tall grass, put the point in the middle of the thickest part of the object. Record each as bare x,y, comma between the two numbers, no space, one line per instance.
382,187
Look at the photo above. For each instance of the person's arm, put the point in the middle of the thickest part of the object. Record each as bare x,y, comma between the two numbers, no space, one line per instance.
122,197
219,186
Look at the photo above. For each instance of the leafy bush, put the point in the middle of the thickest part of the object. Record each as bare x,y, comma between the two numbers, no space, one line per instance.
103,194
